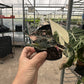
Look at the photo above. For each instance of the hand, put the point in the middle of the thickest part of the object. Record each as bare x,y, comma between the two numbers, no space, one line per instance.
28,68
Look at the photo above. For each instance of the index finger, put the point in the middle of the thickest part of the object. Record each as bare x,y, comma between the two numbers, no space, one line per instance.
39,58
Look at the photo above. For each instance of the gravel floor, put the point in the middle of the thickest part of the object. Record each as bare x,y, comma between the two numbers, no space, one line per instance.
49,73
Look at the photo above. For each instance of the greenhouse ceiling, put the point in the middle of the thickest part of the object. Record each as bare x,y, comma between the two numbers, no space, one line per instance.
50,6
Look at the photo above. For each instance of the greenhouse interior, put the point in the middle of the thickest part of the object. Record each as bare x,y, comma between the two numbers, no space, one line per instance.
36,32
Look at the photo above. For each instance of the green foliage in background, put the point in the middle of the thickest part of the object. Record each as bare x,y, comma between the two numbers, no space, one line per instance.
37,20
73,21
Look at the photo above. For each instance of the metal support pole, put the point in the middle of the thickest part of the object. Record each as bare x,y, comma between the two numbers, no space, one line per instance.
23,20
69,14
48,16
1,19
26,18
83,18
0,14
13,24
62,76
67,27
26,13
62,14
54,15
34,14
26,23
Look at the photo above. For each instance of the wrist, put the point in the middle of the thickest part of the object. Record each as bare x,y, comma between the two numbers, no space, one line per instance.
17,80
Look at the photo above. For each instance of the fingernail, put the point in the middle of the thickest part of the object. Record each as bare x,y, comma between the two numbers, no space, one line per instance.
45,52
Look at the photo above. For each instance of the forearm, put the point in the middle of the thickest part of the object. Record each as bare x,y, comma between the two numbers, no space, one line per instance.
23,77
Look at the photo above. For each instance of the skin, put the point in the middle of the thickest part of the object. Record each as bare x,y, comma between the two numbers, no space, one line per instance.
28,68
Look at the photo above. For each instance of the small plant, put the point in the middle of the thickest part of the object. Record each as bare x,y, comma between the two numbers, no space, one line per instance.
70,43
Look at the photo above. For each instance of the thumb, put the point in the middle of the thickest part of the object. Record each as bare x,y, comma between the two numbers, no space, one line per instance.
39,58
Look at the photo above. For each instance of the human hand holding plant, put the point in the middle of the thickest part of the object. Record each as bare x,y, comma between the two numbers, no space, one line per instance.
28,68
